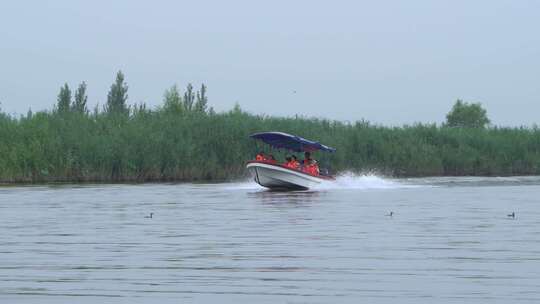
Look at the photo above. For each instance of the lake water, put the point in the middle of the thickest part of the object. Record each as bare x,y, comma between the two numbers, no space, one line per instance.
449,241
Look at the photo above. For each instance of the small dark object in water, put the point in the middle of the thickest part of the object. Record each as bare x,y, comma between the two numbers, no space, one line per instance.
149,216
512,215
390,214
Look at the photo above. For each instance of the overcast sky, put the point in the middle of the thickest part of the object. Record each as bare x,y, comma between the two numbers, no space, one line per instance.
389,62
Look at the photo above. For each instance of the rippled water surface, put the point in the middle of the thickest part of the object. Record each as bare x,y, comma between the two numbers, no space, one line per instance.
449,241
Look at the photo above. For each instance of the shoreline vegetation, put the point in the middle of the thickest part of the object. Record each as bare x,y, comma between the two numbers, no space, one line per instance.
185,140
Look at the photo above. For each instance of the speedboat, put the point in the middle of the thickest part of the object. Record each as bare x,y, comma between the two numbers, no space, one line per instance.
279,177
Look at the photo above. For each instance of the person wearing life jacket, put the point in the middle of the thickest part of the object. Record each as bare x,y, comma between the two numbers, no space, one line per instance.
288,162
314,168
260,156
307,159
309,165
294,162
291,162
306,162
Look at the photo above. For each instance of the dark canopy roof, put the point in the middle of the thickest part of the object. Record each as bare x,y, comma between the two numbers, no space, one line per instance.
295,143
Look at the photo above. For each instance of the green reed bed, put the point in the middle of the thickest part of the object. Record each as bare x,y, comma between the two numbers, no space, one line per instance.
156,145
179,141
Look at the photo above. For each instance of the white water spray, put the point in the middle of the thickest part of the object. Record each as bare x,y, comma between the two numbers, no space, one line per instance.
347,180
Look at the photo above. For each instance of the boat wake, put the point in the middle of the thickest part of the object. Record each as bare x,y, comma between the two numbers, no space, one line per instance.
343,181
350,180
353,181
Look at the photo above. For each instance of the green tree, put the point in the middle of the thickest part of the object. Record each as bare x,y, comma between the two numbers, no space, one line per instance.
467,115
189,98
117,96
64,99
172,101
201,104
80,100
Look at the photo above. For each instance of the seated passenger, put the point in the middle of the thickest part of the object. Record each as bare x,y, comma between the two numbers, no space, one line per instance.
260,156
306,161
309,165
314,168
294,162
291,162
288,161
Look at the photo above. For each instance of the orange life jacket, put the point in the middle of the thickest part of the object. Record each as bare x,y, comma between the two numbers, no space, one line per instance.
307,167
315,169
292,164
311,168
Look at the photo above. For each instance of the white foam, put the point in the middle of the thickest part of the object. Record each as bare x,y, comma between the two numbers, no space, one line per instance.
345,180
349,180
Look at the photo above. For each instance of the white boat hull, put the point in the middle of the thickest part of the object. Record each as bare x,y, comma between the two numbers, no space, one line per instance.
280,178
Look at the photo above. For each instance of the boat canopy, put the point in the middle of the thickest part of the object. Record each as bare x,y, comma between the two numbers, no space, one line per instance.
295,143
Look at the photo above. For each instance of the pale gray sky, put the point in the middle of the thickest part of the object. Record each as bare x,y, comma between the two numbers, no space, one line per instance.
389,62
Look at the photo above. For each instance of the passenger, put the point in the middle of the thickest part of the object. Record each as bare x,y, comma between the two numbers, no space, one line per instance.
314,168
260,156
309,165
307,160
288,162
291,162
294,162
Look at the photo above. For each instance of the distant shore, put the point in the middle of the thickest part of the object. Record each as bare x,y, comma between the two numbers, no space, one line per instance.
185,140
165,146
60,182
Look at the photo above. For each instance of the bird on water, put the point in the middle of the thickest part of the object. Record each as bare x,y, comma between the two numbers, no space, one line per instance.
390,214
512,215
149,216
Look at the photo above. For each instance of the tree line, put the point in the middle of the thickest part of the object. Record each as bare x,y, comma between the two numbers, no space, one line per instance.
186,140
117,98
